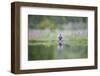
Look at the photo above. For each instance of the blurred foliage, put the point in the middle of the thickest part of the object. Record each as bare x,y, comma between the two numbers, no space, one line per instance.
77,40
53,22
43,45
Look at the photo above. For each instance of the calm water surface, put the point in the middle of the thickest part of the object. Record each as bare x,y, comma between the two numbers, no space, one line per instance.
39,51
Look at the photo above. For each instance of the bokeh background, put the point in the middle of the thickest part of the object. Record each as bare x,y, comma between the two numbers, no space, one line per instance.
43,41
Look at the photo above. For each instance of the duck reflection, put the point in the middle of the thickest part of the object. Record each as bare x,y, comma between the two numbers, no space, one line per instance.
60,41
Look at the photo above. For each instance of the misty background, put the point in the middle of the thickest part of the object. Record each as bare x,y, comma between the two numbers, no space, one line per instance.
43,32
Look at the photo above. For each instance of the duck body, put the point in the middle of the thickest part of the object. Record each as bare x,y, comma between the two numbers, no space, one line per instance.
60,40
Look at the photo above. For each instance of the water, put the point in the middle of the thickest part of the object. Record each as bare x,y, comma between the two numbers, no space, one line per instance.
52,51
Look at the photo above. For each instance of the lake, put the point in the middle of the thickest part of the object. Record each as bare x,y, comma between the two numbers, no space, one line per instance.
51,50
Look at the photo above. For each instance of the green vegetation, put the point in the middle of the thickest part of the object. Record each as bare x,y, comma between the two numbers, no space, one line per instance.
53,22
77,40
43,37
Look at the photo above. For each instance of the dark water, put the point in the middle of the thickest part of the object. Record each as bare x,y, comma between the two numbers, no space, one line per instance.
67,51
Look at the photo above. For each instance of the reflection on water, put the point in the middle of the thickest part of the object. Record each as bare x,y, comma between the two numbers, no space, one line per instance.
60,42
48,52
57,37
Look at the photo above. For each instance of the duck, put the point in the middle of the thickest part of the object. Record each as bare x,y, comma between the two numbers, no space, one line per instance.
60,37
60,40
